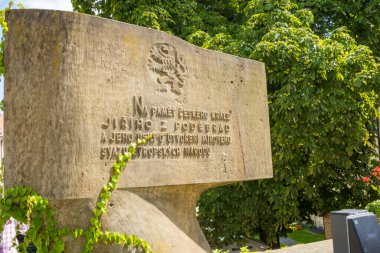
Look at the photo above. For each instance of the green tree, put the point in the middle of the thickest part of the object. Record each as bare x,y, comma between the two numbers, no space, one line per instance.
321,124
322,106
361,17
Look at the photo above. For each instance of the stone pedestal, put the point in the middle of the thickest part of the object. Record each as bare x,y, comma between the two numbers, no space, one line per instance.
79,89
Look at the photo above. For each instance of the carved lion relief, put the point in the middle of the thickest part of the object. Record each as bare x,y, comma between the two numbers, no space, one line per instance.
168,69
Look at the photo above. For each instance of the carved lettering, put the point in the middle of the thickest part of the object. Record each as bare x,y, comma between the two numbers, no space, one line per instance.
216,139
103,139
187,133
138,107
163,126
159,152
192,114
162,112
123,123
196,152
111,153
220,116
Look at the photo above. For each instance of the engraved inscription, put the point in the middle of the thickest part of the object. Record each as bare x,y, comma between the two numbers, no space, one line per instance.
168,69
114,59
179,132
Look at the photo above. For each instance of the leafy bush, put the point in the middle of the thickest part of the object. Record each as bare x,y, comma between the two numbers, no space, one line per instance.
374,207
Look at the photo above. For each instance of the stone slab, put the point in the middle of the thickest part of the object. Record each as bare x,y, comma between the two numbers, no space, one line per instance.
80,88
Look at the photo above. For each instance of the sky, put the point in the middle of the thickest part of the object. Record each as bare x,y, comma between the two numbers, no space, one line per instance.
36,4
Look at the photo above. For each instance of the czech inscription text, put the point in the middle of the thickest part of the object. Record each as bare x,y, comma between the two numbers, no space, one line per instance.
178,132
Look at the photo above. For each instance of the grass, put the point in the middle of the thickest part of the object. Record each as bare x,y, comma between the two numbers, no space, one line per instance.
302,236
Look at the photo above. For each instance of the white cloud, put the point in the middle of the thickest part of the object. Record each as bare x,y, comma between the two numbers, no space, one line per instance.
48,4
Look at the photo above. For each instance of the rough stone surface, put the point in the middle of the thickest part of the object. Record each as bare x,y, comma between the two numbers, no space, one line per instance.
325,246
79,89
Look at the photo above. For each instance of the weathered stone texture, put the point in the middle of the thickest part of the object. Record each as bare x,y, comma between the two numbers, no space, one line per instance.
79,89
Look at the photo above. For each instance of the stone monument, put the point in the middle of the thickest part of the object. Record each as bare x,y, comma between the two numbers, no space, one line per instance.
79,89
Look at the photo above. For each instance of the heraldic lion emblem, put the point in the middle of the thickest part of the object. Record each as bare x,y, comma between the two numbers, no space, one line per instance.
168,69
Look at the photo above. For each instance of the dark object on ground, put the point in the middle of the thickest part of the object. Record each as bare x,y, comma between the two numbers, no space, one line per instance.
315,230
339,229
355,231
288,241
364,233
31,247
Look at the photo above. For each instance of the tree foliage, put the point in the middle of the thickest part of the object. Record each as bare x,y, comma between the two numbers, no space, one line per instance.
361,17
323,96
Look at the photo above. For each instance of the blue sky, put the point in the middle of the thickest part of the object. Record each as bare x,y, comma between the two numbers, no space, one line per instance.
36,4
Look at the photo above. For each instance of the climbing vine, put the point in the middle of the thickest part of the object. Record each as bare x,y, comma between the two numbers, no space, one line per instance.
4,29
26,206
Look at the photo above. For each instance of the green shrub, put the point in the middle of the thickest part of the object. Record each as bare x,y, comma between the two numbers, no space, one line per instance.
374,207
